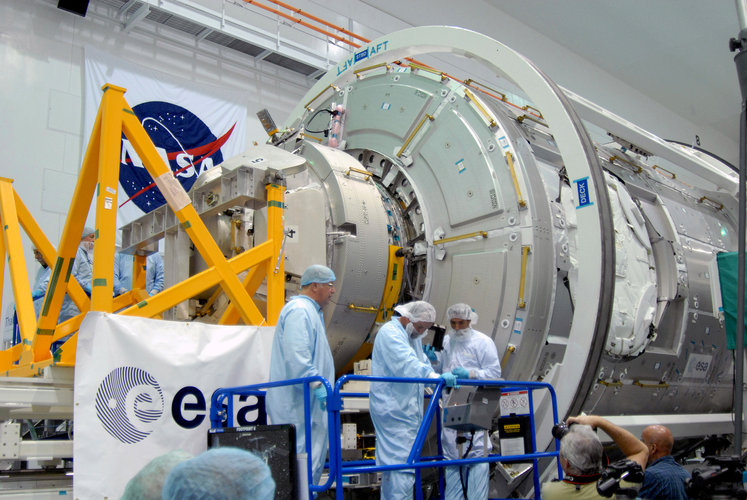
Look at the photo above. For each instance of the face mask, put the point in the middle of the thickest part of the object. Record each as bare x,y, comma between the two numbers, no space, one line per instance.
462,334
87,246
412,332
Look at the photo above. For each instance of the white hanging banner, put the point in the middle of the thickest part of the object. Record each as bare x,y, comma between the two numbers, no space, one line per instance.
143,388
193,126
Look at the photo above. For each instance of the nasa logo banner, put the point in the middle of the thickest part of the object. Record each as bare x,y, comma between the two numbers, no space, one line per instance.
193,127
143,388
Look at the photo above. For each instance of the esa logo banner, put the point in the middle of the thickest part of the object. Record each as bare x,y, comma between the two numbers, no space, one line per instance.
143,388
130,404
129,401
194,126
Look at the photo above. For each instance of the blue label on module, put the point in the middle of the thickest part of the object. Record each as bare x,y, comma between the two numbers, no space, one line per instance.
369,51
361,55
582,189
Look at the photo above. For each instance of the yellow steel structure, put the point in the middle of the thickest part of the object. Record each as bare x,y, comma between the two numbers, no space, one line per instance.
99,175
395,274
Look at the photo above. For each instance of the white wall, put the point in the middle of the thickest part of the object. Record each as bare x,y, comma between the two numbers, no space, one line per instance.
41,85
41,55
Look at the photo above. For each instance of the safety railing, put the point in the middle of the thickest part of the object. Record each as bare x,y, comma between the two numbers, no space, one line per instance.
222,410
221,415
415,461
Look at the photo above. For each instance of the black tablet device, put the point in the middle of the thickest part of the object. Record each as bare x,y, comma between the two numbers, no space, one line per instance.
276,444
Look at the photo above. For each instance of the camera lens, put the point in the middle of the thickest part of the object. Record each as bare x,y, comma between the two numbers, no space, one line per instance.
559,430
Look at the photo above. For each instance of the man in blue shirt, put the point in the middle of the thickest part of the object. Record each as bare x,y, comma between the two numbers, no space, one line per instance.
664,478
123,273
82,271
39,289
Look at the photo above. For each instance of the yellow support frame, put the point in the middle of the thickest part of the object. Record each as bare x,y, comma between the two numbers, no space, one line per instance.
99,175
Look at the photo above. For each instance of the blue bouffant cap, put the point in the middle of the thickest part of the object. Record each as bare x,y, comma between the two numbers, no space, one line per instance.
148,483
219,474
317,274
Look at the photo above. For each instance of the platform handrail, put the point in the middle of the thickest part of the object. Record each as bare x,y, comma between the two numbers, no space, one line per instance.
221,415
415,461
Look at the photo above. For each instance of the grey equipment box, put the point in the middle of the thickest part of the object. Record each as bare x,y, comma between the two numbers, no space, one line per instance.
471,408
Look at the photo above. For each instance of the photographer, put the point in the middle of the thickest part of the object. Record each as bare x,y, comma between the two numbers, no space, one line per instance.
581,457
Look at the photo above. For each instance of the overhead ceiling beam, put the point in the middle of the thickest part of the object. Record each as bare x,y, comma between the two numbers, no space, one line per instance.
124,8
203,34
138,16
316,74
262,55
243,31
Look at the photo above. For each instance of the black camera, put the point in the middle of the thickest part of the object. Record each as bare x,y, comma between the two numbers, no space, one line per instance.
559,430
438,337
624,469
718,477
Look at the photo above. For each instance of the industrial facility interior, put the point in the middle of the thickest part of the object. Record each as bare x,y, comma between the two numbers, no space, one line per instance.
568,169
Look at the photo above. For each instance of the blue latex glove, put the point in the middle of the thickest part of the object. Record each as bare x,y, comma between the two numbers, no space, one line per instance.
321,394
460,372
87,289
430,352
37,294
449,379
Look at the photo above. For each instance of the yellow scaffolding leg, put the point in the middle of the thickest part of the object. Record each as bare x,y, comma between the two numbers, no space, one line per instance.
99,175
17,268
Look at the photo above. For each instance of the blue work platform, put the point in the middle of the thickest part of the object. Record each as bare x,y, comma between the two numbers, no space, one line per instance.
221,415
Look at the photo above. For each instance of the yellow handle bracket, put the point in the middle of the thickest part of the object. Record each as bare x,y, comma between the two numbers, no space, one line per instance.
364,173
522,283
519,198
413,134
491,122
483,234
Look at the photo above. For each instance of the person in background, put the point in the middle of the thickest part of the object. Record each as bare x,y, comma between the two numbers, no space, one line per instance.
83,265
397,408
123,273
38,291
154,274
300,349
220,474
664,478
147,484
468,354
82,270
41,281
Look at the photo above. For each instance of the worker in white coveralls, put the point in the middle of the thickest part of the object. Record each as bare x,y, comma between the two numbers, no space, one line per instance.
397,408
468,354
